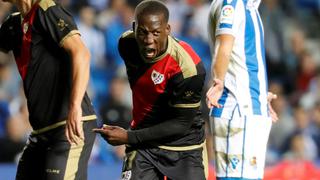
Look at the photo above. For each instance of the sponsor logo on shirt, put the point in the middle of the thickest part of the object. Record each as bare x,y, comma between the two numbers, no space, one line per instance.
157,77
227,14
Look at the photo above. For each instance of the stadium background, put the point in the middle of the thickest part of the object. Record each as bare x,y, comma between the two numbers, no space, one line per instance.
292,31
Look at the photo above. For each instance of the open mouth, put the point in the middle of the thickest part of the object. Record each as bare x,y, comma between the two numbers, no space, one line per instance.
149,52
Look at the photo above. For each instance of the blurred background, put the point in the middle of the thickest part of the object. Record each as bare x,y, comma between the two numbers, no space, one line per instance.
292,31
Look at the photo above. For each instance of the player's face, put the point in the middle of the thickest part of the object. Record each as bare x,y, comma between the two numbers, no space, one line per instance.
151,33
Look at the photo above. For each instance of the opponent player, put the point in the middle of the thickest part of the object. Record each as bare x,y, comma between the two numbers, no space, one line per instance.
238,96
166,77
54,66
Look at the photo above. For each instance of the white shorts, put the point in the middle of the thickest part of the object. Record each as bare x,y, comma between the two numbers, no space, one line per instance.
240,142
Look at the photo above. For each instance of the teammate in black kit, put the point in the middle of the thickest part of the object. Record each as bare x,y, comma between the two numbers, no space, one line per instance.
54,65
166,137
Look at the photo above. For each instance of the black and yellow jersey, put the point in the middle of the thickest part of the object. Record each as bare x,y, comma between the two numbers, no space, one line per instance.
45,67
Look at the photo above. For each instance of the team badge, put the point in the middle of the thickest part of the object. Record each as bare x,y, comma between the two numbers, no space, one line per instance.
227,14
253,162
157,77
62,25
25,27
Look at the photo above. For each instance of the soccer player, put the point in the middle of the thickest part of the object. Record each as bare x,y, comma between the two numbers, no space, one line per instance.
54,66
238,97
166,76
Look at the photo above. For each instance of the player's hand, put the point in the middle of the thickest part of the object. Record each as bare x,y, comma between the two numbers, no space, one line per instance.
214,94
114,135
74,130
273,114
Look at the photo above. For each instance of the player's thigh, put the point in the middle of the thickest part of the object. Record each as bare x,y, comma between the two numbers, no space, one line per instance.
192,172
66,161
137,167
229,136
190,165
240,145
32,161
257,134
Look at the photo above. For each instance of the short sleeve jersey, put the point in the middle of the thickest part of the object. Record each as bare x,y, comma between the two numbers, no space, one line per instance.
45,67
246,76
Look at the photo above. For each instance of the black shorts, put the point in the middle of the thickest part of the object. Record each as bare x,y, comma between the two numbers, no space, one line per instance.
50,156
155,163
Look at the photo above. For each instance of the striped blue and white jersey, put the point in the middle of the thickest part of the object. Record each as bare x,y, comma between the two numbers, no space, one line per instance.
246,77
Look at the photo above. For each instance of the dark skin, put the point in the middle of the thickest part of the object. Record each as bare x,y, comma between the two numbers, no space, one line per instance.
114,135
151,33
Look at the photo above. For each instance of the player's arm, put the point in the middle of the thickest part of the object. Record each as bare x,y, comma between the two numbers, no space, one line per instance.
224,44
60,26
80,59
228,24
170,128
184,107
273,114
230,17
177,126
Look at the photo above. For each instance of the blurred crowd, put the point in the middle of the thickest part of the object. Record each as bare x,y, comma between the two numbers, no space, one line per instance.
292,40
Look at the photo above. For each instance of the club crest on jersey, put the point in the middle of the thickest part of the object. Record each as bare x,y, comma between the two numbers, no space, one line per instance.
253,162
25,27
157,77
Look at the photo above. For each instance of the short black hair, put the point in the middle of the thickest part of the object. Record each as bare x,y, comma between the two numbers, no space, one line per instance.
152,7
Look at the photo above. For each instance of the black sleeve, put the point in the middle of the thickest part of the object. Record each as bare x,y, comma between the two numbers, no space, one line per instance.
58,23
169,128
185,102
10,33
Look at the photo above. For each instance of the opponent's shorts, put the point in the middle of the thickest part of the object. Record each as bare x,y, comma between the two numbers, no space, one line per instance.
155,163
240,142
50,156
